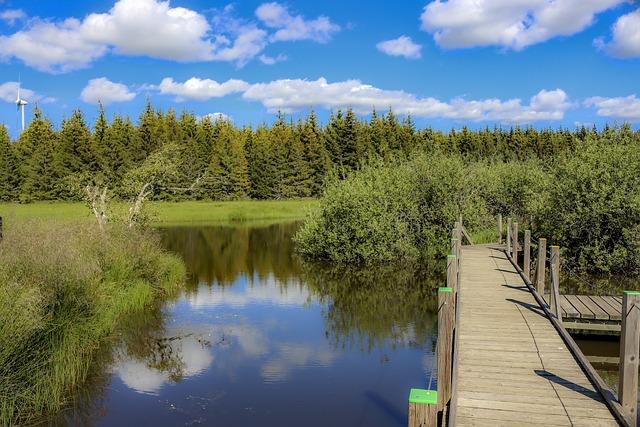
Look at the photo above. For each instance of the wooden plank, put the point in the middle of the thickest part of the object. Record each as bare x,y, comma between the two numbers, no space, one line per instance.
606,307
610,305
446,319
584,311
629,354
512,365
598,312
568,310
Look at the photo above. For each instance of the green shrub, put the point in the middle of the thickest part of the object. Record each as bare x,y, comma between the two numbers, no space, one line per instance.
63,288
392,212
593,211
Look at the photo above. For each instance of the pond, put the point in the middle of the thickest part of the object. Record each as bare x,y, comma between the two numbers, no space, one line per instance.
259,337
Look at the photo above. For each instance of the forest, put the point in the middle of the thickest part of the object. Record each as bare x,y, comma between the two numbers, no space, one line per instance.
215,160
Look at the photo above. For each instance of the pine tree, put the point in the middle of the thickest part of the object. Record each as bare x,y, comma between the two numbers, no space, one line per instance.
349,140
9,170
316,155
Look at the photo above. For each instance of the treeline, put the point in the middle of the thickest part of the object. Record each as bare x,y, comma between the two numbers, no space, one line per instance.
217,160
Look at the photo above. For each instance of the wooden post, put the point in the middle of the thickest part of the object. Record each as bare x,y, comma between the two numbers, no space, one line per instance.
423,408
629,344
454,246
514,244
0,229
526,263
509,236
452,272
542,264
499,229
446,321
554,298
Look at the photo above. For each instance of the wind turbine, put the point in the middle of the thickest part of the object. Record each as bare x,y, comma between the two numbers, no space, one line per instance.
20,103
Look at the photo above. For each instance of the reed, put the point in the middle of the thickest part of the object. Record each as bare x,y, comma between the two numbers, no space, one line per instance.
64,287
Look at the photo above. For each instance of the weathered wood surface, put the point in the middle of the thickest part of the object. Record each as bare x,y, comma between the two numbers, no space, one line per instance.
513,369
590,307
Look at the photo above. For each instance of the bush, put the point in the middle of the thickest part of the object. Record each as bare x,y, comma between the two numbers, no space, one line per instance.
63,288
392,212
594,207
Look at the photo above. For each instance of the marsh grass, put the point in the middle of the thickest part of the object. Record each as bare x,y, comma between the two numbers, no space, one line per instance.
64,287
169,213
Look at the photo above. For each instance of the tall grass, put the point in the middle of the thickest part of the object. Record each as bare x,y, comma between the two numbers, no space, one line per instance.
64,287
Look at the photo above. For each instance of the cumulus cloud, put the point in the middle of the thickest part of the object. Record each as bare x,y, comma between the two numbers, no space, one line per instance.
151,28
294,94
51,47
289,27
249,42
625,38
10,16
623,107
9,93
508,23
402,46
200,89
105,91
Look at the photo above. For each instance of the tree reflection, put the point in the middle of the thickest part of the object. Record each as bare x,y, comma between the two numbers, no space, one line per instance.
364,306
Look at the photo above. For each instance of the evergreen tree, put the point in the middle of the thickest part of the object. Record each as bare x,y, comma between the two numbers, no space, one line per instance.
9,169
316,155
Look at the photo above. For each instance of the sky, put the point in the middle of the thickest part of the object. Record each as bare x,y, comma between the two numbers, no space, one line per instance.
545,63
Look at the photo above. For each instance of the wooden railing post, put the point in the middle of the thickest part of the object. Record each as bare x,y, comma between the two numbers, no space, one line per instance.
509,236
423,408
629,344
454,246
542,265
452,272
514,244
554,298
446,320
526,263
499,229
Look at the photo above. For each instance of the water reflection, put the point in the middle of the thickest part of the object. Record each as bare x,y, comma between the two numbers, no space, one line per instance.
258,336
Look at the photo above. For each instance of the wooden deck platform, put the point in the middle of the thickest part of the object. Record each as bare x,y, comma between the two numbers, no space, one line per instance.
512,366
591,313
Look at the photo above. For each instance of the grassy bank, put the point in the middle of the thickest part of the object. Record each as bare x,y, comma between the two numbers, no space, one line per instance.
170,213
64,287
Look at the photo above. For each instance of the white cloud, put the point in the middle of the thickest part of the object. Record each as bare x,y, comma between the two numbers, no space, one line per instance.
290,27
214,117
51,47
151,28
402,46
105,91
508,23
200,89
270,60
249,42
623,107
625,39
9,93
12,15
155,29
291,95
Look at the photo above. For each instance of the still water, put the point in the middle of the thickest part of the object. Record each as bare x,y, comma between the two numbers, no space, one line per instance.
258,337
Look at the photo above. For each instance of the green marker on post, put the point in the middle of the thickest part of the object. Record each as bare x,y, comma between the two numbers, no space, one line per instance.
421,396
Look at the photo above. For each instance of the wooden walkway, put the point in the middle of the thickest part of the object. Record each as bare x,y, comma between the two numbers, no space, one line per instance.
513,368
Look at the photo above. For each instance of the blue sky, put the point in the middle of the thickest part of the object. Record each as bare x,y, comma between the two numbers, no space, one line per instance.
447,63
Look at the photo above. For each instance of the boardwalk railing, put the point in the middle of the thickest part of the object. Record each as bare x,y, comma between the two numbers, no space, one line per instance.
624,405
431,407
436,406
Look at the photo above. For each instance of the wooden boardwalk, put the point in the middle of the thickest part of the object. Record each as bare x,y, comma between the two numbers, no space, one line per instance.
512,366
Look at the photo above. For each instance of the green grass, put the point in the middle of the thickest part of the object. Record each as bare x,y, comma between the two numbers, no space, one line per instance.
64,288
170,213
